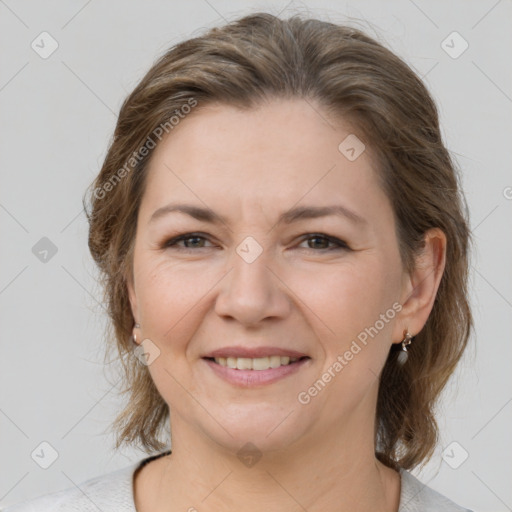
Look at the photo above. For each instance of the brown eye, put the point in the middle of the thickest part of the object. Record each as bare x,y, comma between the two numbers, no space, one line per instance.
321,242
191,241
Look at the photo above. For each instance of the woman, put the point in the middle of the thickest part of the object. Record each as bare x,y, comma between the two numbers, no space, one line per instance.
284,246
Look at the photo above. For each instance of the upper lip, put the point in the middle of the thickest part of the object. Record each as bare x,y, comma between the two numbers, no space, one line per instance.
254,352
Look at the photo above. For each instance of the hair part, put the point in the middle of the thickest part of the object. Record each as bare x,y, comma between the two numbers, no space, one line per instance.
357,80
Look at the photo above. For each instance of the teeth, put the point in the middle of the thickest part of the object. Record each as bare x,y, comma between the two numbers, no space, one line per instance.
258,363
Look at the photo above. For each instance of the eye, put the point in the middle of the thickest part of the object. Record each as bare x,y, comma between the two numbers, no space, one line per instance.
325,240
195,237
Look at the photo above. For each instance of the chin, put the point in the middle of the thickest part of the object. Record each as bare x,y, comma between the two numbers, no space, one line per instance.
266,431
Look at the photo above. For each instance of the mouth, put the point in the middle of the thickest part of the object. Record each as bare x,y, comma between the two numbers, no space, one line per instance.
257,363
248,372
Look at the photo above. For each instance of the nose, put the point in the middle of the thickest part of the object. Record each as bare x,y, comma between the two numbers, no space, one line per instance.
252,291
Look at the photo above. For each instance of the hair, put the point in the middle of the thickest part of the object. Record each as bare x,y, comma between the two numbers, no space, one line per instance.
355,79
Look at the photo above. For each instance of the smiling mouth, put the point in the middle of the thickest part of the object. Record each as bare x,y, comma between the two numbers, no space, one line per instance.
256,364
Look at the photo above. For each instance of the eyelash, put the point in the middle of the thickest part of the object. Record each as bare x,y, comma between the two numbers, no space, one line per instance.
171,243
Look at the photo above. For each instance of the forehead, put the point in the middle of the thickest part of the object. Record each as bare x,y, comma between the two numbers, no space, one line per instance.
279,153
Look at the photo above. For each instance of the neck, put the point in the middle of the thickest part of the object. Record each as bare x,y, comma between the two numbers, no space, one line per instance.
324,471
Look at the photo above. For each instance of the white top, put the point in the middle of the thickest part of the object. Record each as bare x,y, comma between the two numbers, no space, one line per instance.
113,492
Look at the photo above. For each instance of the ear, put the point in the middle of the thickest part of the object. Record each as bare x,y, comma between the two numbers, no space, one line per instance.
130,286
419,289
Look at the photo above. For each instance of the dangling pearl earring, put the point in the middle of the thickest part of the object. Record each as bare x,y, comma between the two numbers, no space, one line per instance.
134,336
403,355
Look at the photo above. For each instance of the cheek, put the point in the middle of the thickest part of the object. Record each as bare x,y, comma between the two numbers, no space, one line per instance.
338,301
346,304
172,297
172,305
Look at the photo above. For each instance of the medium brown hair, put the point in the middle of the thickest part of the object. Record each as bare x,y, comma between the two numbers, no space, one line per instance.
356,79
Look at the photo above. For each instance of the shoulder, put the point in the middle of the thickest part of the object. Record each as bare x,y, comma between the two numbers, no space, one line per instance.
416,496
111,492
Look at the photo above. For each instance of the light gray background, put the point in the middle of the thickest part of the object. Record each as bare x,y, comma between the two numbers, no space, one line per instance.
57,117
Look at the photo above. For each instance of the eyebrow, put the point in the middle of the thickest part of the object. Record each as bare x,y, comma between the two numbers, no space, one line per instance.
293,215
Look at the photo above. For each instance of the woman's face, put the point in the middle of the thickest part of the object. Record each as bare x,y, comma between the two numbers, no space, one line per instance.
265,280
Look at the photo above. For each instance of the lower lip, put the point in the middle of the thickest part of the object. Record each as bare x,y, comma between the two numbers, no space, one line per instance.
251,378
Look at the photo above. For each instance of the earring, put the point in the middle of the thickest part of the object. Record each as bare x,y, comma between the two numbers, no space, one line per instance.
403,355
134,336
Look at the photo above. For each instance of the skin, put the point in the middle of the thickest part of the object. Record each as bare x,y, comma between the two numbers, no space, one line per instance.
250,166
